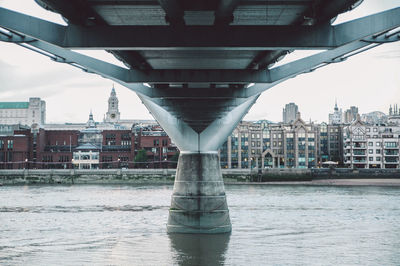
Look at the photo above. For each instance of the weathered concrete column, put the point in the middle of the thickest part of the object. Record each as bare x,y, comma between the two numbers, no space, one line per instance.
198,203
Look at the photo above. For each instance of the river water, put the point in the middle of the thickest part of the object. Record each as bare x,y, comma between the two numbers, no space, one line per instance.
272,225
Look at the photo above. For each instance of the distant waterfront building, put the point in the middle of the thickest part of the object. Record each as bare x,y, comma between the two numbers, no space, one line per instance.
24,113
335,118
350,114
264,145
330,143
113,114
289,113
371,146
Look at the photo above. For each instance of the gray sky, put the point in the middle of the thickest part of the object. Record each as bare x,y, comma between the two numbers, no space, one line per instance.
370,80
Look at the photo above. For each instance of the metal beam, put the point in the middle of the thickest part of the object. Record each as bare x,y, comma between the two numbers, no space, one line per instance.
224,12
173,11
265,78
200,37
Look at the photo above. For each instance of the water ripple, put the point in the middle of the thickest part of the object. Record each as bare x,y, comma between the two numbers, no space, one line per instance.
75,209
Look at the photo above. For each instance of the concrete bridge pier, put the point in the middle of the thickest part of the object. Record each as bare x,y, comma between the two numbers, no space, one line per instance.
198,203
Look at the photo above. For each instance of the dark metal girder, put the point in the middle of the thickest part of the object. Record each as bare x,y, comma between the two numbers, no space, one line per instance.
81,13
200,37
224,12
174,12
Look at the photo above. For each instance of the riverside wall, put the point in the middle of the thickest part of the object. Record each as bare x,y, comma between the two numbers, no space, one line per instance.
167,176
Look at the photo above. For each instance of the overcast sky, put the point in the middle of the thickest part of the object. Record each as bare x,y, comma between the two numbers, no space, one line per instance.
370,81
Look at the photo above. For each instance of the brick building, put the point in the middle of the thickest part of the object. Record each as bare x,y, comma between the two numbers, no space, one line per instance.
14,147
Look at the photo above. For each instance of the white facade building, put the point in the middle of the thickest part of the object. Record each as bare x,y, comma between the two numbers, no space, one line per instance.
371,146
24,113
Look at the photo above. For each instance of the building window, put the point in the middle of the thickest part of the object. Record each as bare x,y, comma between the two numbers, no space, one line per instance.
370,151
378,144
1,144
110,139
378,159
370,158
375,129
370,144
368,129
10,144
390,144
378,151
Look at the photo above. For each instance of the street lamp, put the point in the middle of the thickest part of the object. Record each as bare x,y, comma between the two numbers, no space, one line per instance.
119,162
26,163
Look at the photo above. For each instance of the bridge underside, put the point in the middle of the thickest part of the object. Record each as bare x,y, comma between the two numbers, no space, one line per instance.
199,66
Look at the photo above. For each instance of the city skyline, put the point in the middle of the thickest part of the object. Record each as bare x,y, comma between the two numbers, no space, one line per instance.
70,93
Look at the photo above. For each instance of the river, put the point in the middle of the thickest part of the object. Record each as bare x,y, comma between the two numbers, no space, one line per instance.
271,225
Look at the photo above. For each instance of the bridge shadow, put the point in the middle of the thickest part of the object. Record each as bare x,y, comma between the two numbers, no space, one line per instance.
199,249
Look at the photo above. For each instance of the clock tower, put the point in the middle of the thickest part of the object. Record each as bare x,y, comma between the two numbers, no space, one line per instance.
112,115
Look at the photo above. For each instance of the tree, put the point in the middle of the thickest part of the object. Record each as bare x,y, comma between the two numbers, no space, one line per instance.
141,157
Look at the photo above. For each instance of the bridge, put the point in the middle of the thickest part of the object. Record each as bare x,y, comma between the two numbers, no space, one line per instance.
199,66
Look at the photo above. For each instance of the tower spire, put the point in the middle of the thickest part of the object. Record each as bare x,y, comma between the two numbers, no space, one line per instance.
112,115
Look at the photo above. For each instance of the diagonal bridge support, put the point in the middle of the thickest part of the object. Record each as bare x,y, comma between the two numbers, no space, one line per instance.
198,108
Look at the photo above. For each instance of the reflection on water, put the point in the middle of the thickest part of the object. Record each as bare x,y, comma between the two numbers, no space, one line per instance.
271,225
199,249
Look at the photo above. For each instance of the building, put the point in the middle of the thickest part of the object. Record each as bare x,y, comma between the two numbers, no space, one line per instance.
336,117
267,145
289,113
112,115
371,146
394,115
14,146
24,113
350,115
158,146
330,143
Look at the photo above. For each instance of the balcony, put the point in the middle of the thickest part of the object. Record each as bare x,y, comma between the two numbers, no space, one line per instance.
386,162
391,153
391,160
359,146
359,161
